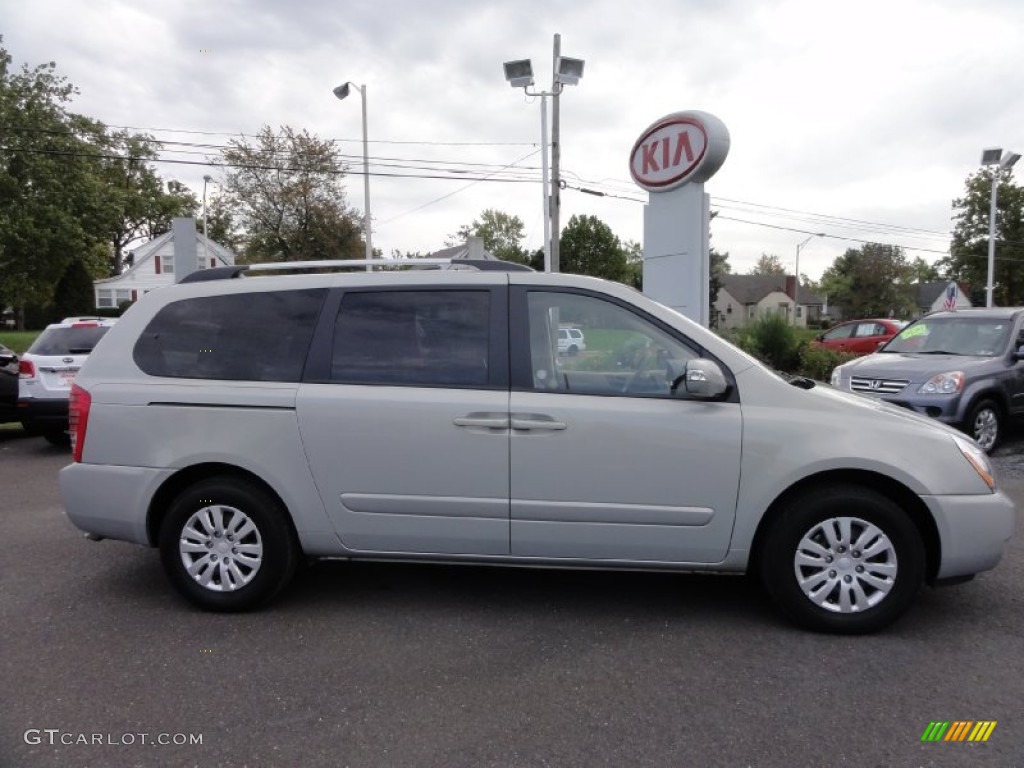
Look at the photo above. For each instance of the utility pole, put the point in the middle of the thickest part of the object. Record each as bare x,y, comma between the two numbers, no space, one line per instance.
555,201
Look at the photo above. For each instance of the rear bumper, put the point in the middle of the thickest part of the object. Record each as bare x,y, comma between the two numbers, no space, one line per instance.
44,415
110,501
973,531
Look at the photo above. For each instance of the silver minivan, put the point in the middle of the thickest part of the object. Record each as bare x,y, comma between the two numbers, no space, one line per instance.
240,425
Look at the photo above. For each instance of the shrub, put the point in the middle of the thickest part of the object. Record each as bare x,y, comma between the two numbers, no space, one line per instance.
818,362
773,341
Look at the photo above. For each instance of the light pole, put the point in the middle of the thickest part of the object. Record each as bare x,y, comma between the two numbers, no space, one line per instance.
341,92
995,159
206,254
796,282
565,71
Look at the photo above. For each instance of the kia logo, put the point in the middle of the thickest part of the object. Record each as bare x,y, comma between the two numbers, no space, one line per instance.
681,147
68,359
668,153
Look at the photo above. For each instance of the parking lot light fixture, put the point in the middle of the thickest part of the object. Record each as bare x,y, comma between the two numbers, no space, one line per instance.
796,282
342,92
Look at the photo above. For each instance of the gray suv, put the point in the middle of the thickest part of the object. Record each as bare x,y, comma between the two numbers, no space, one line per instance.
240,425
963,368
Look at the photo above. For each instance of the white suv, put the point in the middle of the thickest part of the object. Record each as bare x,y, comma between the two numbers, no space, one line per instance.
47,369
242,424
571,341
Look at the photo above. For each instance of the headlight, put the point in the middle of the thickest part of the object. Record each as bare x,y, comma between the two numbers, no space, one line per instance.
948,383
836,377
977,459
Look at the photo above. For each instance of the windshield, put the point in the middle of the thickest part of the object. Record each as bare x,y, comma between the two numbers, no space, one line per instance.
953,336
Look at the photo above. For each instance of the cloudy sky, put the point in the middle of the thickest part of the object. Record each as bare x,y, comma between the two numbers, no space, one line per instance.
856,120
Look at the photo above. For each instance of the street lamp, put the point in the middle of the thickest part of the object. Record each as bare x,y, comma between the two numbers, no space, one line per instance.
995,159
341,92
565,71
796,283
206,254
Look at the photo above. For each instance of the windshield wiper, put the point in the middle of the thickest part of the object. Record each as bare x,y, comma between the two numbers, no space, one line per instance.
938,352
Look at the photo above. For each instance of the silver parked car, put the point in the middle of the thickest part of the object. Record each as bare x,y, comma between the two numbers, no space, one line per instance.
242,424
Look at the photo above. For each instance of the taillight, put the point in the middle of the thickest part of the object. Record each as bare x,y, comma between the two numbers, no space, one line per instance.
78,419
26,369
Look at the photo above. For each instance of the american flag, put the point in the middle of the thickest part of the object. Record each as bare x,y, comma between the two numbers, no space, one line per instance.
950,302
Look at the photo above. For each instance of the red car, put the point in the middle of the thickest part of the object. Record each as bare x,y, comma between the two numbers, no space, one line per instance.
861,337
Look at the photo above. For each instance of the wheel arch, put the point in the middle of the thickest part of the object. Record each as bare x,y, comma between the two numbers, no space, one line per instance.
180,480
903,496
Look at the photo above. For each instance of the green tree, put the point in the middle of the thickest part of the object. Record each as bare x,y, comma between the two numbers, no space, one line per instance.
920,271
718,267
589,247
73,294
871,281
634,265
139,204
768,264
285,191
54,201
502,235
968,254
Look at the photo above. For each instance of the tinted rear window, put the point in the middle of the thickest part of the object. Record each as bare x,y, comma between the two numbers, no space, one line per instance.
68,341
236,337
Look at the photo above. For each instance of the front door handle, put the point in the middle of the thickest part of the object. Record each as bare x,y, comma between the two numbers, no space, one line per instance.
488,420
536,421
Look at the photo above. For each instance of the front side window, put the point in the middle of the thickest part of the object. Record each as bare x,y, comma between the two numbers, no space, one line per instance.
625,353
842,332
437,338
235,337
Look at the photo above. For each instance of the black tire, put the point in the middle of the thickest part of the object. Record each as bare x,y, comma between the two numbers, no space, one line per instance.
60,439
985,424
897,556
573,351
241,573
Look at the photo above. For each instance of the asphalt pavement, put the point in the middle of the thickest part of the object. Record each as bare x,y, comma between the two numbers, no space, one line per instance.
416,665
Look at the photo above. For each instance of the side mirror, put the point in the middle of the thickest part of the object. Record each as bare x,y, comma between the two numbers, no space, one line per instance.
8,359
1020,352
701,379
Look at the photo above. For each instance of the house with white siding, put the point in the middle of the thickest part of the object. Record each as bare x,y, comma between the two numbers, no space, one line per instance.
743,298
153,266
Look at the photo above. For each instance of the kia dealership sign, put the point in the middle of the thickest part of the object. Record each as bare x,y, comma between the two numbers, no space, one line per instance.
679,148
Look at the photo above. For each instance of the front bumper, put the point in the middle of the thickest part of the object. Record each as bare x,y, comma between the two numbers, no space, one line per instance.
973,531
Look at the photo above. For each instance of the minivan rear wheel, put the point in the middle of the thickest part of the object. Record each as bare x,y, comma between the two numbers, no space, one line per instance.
843,559
226,545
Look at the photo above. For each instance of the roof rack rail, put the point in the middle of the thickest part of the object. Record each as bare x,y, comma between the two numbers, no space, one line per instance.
215,273
228,273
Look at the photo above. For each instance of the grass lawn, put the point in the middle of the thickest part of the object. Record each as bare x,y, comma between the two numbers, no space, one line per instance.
19,341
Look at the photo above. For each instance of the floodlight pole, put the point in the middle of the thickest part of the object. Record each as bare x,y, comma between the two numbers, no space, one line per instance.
206,254
555,201
796,282
341,92
546,203
992,237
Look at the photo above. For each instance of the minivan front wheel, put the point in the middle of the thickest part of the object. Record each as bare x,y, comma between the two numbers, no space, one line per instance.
843,559
226,545
985,425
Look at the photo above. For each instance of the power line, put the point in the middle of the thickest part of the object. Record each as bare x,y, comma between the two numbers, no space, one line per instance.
833,237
